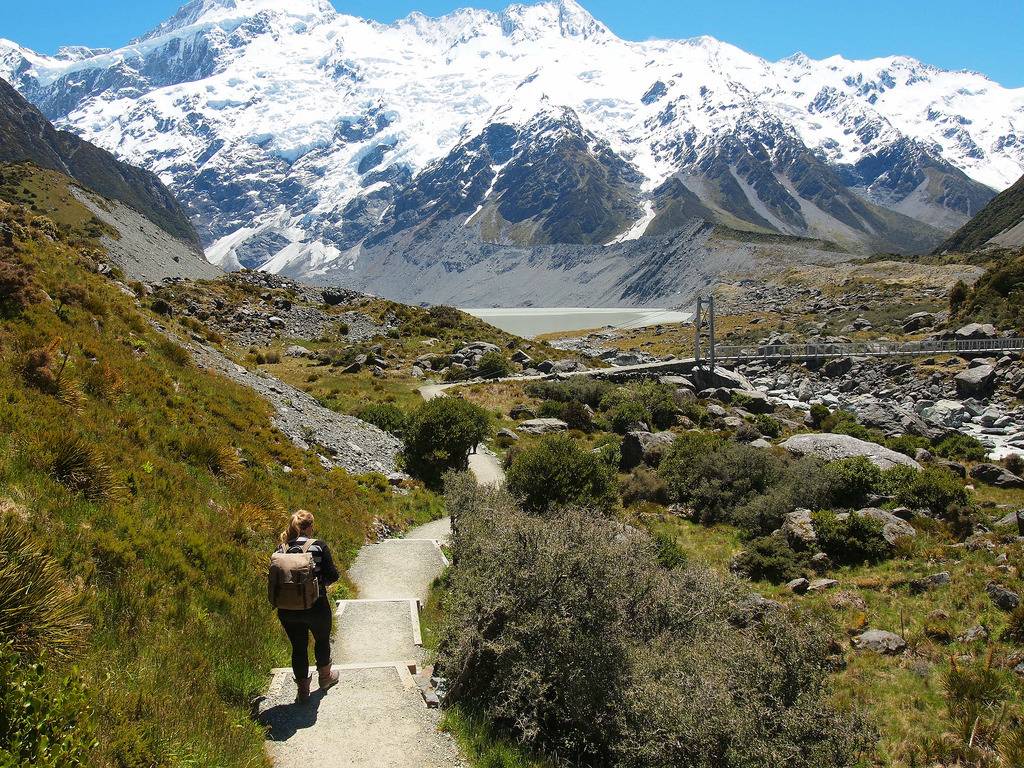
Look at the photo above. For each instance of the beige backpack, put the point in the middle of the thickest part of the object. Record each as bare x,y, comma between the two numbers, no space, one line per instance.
291,582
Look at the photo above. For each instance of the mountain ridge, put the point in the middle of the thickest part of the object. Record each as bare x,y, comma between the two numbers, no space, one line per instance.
294,142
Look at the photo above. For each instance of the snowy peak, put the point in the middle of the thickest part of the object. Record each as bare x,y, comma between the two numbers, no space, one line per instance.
568,17
230,12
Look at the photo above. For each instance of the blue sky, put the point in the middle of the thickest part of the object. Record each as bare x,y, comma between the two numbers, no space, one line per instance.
984,35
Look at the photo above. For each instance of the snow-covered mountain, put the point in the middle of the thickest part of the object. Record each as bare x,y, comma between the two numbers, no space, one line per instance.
303,141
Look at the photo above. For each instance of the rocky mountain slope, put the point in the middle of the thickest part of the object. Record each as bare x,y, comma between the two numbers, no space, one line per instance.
1000,224
27,136
307,142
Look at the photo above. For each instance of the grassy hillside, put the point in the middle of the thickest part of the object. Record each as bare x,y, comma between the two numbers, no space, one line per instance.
153,490
1004,212
27,136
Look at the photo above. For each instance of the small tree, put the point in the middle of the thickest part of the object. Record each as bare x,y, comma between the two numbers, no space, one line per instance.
440,436
557,472
494,365
957,296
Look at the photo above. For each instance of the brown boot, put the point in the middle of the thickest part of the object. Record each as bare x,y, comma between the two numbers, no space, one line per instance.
328,677
303,695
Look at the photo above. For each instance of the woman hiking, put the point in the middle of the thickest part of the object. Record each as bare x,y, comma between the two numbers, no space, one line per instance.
315,620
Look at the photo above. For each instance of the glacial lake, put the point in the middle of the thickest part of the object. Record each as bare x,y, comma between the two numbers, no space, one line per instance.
532,322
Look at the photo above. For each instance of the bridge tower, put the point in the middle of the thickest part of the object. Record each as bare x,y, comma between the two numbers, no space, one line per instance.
705,315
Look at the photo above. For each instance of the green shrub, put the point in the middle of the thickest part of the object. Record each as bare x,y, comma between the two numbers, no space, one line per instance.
557,472
896,480
644,484
45,722
768,425
845,423
852,480
819,413
908,445
957,445
850,539
577,415
494,365
572,637
445,317
386,416
580,389
770,558
648,401
935,490
17,287
440,435
669,554
1015,463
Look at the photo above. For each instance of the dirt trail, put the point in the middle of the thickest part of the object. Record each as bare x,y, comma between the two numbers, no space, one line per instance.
375,717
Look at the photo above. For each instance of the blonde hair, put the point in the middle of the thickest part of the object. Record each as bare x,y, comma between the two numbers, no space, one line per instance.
301,521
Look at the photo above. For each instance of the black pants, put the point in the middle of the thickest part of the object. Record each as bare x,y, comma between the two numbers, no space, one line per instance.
298,625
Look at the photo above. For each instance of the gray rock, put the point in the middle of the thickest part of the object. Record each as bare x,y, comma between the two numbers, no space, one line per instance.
880,641
945,413
831,447
930,582
821,562
754,610
568,366
296,351
508,434
1004,598
805,391
892,419
798,586
974,634
953,467
757,402
720,378
644,448
976,331
838,367
520,412
821,585
976,382
417,372
546,367
893,528
543,426
917,321
993,474
522,358
798,528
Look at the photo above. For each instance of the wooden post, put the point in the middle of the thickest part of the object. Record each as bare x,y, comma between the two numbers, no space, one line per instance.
711,320
1020,522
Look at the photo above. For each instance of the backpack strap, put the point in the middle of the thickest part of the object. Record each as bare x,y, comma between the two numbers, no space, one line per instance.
309,543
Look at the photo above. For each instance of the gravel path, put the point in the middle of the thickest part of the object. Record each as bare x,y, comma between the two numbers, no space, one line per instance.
375,717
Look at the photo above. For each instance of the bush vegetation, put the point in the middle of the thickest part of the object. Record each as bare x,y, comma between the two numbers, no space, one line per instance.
568,635
386,416
771,558
558,472
440,435
850,539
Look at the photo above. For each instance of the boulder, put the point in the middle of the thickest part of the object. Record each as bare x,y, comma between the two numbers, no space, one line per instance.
522,358
892,419
754,610
568,366
831,447
946,413
953,467
976,633
893,528
296,351
644,448
976,382
543,426
805,391
276,322
507,434
546,367
798,586
917,321
880,641
976,331
838,367
703,378
930,582
1000,477
520,412
821,585
1005,599
798,528
757,402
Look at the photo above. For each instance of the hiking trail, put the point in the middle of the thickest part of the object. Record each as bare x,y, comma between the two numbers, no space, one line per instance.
376,716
